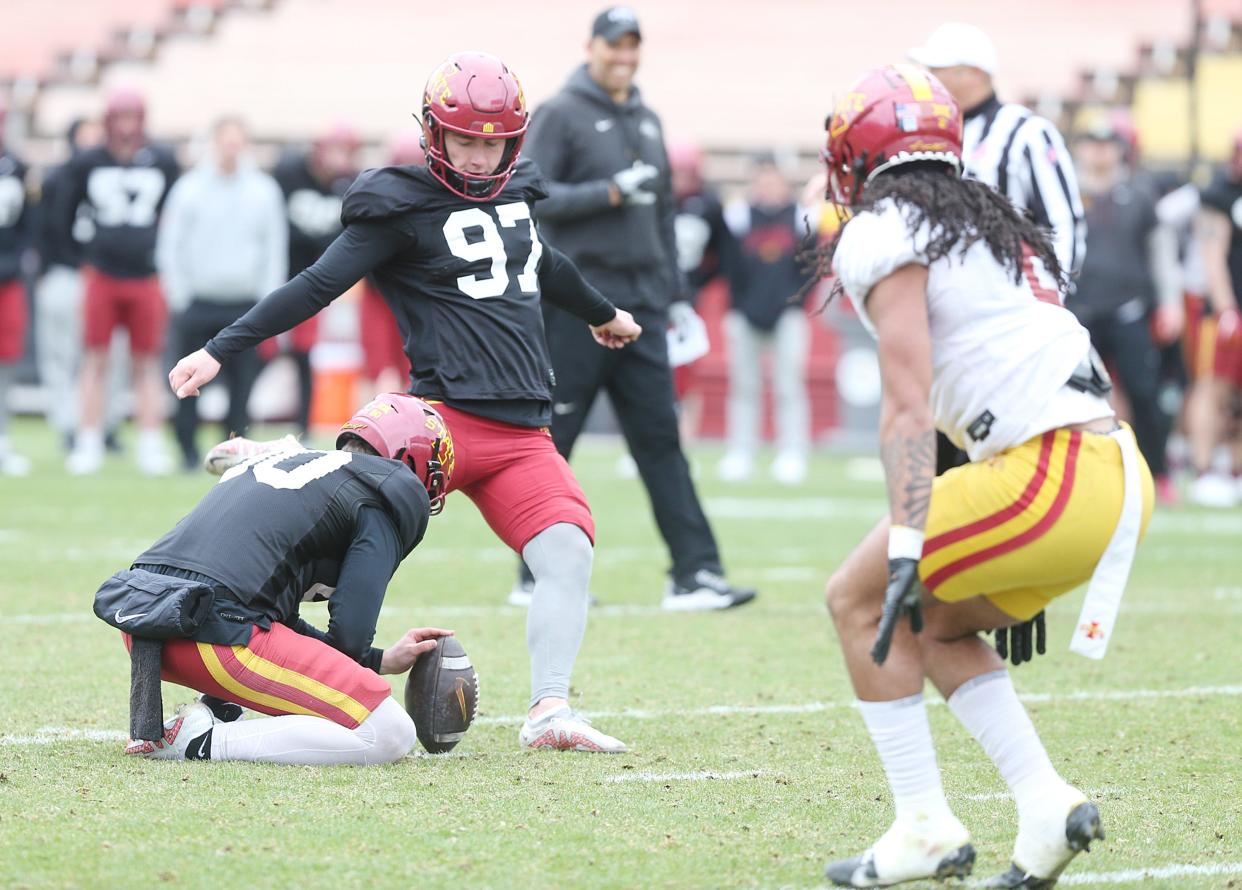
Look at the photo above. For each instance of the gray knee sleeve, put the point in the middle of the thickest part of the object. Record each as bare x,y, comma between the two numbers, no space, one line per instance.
560,558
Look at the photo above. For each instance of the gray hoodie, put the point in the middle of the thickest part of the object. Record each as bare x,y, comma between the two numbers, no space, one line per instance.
222,238
581,138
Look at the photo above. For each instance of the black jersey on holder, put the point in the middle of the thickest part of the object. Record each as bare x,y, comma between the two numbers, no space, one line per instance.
124,200
464,280
284,528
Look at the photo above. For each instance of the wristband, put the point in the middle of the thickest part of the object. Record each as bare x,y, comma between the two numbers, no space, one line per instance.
905,542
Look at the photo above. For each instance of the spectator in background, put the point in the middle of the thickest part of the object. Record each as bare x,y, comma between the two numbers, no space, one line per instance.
1209,412
58,302
15,217
385,366
767,316
223,244
1128,279
610,208
123,183
704,248
313,184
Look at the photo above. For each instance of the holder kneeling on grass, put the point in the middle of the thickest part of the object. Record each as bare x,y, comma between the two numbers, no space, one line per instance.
213,605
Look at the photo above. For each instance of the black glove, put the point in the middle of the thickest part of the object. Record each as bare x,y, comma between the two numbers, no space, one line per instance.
1014,642
903,594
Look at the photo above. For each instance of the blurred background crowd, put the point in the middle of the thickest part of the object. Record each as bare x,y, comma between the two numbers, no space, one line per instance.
241,125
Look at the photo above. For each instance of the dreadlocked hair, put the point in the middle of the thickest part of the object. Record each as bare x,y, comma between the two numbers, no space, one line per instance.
959,213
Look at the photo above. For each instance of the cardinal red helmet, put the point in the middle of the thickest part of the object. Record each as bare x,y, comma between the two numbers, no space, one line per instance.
1235,159
122,102
894,115
406,148
405,428
476,95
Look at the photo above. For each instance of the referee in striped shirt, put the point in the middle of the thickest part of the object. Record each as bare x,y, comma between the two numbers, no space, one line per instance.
1004,144
1009,147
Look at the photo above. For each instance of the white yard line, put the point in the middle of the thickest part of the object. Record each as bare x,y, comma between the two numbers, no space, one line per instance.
697,776
1008,795
1135,875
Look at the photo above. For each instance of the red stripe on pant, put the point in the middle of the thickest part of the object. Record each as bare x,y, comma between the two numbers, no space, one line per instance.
952,536
1046,522
251,680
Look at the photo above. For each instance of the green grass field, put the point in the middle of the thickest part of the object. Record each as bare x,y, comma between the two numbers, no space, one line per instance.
749,768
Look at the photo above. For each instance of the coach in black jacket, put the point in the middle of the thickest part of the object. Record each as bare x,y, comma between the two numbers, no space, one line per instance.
610,207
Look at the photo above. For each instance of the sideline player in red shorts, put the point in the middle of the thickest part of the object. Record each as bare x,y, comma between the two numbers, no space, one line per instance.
454,249
278,530
14,237
123,183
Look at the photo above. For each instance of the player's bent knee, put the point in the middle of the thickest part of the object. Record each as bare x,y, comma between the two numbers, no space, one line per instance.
836,594
394,732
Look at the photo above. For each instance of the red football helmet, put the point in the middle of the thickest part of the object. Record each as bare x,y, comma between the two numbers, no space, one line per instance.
125,102
893,115
405,428
1235,157
406,149
476,95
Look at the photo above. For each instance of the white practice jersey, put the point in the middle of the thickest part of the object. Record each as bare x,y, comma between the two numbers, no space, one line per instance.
1002,351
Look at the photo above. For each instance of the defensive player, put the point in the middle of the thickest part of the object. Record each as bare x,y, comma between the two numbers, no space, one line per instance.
961,293
277,530
123,183
454,249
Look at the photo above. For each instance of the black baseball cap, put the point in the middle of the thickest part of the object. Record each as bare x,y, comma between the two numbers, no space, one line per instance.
614,23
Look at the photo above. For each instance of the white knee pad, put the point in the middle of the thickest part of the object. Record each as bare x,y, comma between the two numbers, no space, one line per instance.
389,733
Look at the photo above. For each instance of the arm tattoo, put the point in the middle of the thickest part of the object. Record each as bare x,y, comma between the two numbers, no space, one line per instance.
909,467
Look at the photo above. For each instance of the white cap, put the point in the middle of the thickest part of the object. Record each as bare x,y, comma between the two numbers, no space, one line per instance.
956,43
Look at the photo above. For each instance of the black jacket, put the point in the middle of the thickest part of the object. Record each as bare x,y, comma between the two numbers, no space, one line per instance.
581,138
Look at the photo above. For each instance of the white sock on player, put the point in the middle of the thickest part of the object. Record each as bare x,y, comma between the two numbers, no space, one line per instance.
902,736
384,737
988,707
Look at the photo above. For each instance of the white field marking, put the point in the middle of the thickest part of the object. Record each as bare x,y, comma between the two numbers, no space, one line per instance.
1008,795
697,776
1197,523
864,469
48,734
795,509
1134,875
1227,593
819,706
49,618
9,535
790,573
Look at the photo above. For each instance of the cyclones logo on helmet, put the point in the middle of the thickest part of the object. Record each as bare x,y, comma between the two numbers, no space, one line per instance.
893,115
474,94
405,428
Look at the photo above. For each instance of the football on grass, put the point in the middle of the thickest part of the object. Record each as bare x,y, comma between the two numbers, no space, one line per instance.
441,695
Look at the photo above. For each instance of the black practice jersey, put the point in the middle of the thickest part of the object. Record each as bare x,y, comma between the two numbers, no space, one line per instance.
282,528
464,280
1225,195
313,209
14,215
124,201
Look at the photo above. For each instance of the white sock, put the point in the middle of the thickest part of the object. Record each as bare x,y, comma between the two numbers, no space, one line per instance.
989,709
151,441
902,736
89,440
385,736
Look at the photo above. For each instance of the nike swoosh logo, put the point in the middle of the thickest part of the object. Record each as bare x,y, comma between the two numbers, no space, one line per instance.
563,408
603,126
461,698
121,619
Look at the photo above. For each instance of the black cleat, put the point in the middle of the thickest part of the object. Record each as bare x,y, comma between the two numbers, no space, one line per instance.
704,591
222,711
860,870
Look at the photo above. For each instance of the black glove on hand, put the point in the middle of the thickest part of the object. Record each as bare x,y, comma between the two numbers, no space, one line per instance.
903,594
1014,642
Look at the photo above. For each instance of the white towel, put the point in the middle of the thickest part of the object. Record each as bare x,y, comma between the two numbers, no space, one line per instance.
1108,581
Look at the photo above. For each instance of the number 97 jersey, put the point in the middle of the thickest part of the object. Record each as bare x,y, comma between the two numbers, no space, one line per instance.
464,286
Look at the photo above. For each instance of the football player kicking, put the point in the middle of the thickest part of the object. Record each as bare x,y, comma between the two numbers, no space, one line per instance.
453,248
280,529
961,294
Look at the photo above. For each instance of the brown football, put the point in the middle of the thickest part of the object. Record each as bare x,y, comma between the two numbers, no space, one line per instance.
442,695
